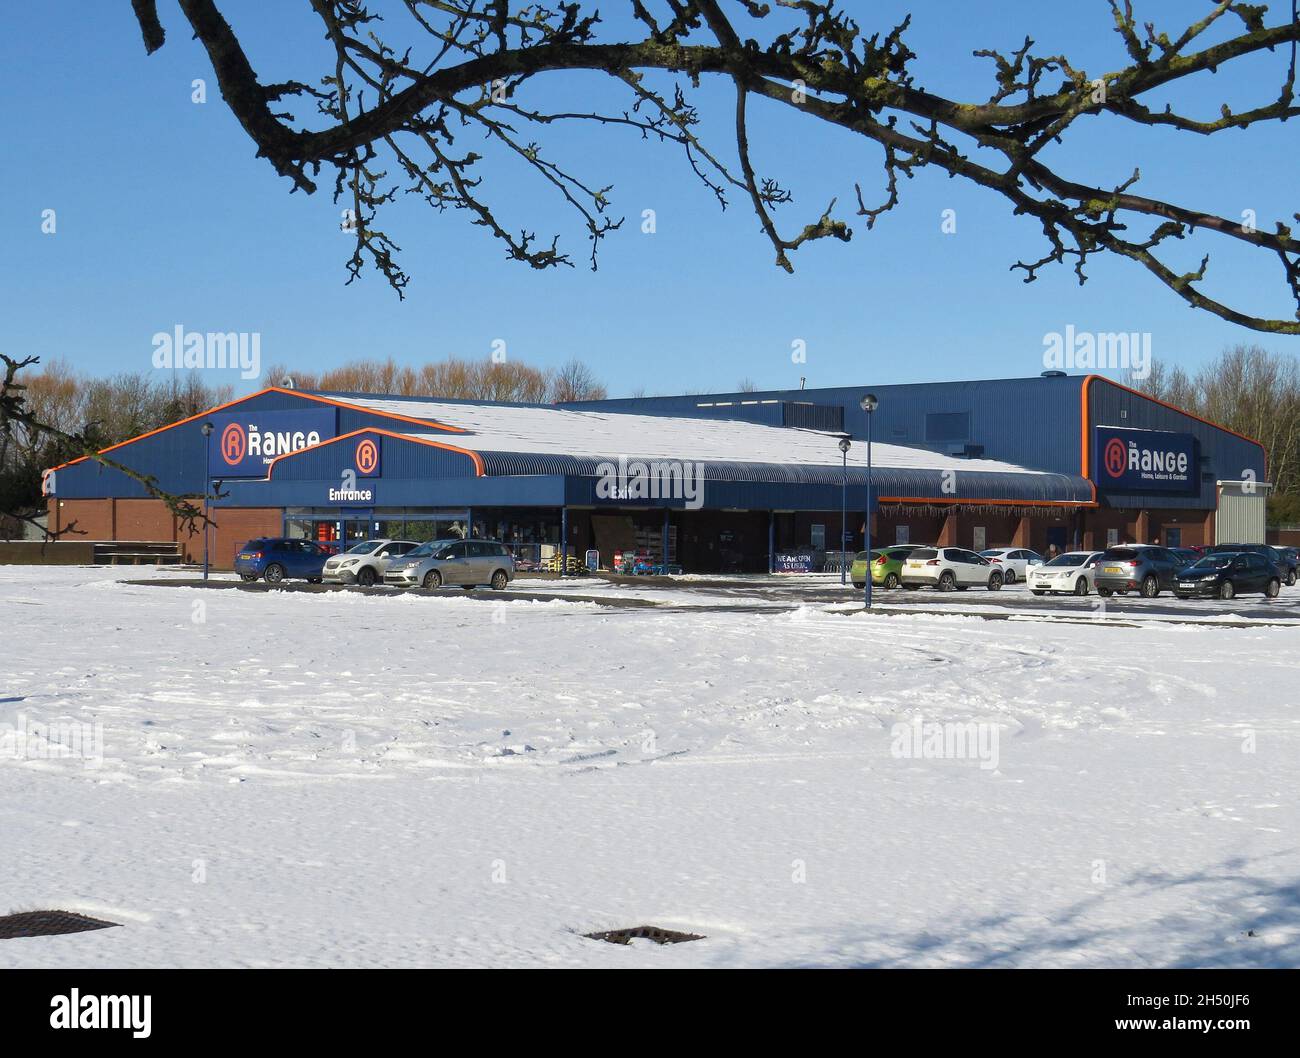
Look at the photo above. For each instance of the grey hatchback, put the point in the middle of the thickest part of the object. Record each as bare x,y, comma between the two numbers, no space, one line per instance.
1145,568
465,563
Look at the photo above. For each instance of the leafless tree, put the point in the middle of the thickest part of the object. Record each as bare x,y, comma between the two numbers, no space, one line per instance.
49,417
574,380
428,106
1248,389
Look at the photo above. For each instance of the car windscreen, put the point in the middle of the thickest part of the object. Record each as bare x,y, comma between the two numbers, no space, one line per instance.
363,548
425,549
1073,558
924,552
992,552
1218,560
1122,552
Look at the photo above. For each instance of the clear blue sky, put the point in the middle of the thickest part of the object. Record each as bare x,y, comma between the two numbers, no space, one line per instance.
165,217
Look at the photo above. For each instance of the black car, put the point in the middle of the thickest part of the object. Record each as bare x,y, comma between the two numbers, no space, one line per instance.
1226,574
1285,565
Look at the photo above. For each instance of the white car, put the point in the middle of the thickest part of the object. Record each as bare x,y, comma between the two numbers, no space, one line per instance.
948,569
1016,563
365,563
1068,574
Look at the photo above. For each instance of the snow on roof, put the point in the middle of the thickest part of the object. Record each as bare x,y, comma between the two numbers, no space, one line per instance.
608,435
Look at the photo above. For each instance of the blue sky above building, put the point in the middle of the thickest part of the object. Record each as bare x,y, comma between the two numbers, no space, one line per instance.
166,218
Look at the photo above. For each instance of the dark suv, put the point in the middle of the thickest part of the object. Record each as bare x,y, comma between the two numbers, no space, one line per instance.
1145,568
1283,563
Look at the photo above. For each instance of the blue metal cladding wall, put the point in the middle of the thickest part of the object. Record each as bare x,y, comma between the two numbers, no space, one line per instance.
1033,422
1223,456
545,491
176,457
398,459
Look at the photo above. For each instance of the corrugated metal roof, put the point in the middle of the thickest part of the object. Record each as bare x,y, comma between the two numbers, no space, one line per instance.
601,435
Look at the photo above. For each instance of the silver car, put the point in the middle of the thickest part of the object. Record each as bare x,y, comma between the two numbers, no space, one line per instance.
466,563
365,563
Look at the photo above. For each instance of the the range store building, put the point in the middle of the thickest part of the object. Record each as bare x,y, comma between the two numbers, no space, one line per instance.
741,482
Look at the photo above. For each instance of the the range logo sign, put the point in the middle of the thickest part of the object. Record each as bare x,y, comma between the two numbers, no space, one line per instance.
1145,460
243,446
366,457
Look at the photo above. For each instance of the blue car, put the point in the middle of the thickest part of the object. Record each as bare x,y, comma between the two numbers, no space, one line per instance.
278,558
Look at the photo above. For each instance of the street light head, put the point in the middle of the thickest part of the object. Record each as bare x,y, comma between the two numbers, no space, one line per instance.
206,428
845,444
869,403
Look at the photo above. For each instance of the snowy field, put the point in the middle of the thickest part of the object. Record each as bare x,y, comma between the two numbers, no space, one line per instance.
342,779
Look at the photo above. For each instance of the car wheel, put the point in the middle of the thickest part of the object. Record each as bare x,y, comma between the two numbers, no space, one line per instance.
1274,586
1150,587
995,582
1290,578
1039,591
891,581
366,577
1226,590
947,582
1105,593
274,573
1010,578
500,580
1081,586
433,579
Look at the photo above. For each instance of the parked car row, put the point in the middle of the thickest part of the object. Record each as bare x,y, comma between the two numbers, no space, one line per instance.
399,563
1222,570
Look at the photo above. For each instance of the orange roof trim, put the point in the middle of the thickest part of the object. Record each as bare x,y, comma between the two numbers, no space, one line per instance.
479,469
1085,408
426,423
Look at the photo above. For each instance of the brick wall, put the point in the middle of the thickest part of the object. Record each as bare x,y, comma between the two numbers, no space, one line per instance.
94,518
108,519
236,525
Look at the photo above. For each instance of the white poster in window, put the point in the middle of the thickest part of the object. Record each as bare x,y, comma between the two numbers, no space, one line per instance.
981,541
1112,537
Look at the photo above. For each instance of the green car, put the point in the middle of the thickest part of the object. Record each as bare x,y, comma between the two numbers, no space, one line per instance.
886,565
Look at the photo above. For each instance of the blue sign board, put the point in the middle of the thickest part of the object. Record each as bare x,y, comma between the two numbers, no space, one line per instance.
793,562
243,445
1145,460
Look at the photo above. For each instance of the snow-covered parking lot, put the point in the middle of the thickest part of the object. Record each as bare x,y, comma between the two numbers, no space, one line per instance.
341,778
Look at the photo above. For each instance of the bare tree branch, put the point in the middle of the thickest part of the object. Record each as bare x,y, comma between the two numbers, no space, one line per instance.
379,104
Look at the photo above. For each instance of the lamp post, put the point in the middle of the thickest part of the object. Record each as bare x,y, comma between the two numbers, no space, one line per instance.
845,444
207,465
869,404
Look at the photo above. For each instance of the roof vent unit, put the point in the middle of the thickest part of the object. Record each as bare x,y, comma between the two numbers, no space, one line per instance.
1054,373
828,417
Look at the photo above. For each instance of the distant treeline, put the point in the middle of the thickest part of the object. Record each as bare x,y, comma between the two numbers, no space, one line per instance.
1255,392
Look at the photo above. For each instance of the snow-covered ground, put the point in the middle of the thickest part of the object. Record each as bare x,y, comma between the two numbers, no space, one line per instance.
328,779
